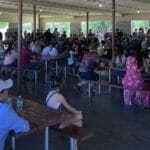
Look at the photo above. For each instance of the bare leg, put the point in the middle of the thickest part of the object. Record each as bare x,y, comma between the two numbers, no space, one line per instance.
76,120
83,82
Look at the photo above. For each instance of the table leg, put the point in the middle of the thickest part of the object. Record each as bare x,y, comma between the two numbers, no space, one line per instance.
73,144
46,139
109,79
89,89
13,143
99,84
46,71
56,68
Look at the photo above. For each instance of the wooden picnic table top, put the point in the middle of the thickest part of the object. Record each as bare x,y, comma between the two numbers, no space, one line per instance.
39,116
115,67
51,58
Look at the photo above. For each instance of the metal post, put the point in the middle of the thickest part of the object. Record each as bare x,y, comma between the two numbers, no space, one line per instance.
113,27
87,23
13,144
19,45
46,139
56,67
39,22
89,89
99,85
46,72
34,21
109,76
73,144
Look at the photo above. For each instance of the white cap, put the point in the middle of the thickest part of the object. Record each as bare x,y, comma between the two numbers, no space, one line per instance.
5,84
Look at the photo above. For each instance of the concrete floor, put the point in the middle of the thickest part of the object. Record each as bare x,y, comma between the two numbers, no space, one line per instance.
116,127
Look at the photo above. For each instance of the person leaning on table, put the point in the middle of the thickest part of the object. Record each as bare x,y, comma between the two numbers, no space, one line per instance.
9,119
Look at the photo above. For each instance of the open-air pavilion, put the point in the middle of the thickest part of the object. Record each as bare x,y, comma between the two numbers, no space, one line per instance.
115,125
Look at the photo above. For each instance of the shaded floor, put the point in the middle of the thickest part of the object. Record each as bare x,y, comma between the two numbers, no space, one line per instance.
116,127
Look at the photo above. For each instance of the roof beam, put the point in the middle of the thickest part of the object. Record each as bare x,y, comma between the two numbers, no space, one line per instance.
59,5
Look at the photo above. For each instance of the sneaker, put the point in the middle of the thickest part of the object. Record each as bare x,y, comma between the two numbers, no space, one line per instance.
77,89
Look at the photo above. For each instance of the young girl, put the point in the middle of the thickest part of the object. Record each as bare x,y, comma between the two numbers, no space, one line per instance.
56,100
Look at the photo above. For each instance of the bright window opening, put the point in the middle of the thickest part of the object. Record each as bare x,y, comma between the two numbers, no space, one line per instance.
28,27
3,28
136,24
97,26
61,27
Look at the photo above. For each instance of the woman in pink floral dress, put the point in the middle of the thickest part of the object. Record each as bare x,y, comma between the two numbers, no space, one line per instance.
134,79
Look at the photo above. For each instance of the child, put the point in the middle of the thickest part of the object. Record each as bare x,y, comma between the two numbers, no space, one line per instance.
9,119
71,59
55,100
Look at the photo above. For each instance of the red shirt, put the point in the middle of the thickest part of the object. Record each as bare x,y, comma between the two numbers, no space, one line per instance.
25,57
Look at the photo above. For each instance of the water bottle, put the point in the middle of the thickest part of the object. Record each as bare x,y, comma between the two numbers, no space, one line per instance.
19,102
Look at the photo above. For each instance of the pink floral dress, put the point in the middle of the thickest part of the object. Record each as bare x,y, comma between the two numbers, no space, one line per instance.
133,80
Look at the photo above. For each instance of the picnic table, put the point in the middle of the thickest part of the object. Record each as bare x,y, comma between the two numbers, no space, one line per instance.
39,117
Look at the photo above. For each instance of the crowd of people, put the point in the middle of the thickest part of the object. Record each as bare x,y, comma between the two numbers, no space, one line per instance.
83,55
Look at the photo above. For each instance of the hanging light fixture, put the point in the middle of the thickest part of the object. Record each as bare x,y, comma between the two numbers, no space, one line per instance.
138,11
100,5
41,10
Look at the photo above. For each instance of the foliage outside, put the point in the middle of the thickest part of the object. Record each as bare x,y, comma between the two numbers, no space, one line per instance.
96,26
136,24
61,27
27,27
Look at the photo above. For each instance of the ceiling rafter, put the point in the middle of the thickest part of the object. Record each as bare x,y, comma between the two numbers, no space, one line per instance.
60,5
79,7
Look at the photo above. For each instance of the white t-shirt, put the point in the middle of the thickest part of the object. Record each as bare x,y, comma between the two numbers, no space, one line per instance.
35,48
50,51
10,58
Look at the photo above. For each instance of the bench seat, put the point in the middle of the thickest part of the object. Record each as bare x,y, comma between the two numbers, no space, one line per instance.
79,133
75,134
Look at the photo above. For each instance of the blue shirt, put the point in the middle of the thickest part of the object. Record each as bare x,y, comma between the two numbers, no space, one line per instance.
9,120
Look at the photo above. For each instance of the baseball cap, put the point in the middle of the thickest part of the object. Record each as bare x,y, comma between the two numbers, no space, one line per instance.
5,84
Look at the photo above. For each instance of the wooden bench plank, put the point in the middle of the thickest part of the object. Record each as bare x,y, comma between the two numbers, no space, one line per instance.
120,86
79,133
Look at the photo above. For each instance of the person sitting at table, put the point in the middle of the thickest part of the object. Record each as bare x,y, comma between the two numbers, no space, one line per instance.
50,50
120,58
89,62
56,100
9,119
147,62
134,77
35,47
26,55
119,62
10,57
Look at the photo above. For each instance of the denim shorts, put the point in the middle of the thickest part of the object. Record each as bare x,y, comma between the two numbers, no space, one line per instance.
90,75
